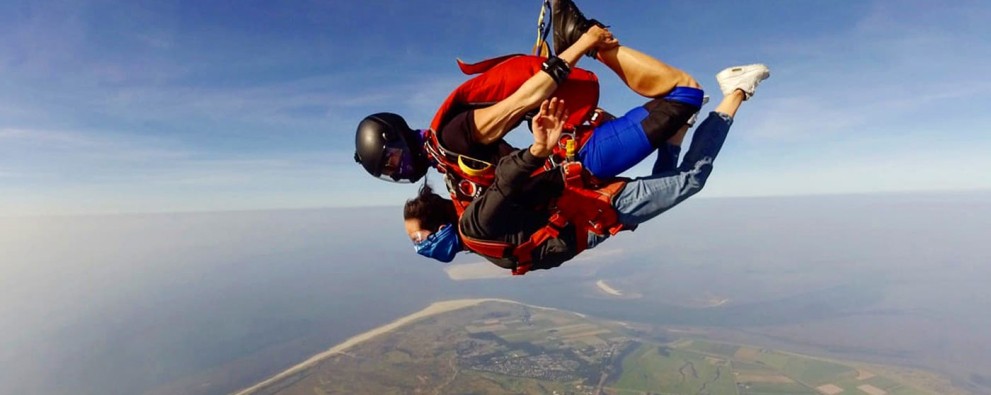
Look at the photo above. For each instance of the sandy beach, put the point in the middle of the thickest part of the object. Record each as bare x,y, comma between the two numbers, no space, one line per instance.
469,271
435,308
476,271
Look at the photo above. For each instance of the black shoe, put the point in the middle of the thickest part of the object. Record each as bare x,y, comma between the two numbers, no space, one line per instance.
569,25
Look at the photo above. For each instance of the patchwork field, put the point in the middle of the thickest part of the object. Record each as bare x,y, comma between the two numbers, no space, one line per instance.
498,347
694,366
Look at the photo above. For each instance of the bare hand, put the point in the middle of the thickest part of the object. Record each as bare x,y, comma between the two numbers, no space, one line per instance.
547,127
601,38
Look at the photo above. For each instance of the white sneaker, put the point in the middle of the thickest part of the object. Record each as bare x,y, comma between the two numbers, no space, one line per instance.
744,78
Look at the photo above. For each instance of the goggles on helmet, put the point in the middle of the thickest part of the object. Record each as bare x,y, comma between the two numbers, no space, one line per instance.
397,162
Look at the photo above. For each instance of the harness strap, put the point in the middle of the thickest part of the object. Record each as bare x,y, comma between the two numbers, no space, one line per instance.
495,249
587,205
522,252
540,48
573,174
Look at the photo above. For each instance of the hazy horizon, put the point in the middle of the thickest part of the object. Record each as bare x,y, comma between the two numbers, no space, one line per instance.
166,303
398,206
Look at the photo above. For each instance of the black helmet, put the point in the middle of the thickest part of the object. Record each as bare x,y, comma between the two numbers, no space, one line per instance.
388,149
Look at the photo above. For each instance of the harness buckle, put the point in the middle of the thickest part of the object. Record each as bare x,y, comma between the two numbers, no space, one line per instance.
573,174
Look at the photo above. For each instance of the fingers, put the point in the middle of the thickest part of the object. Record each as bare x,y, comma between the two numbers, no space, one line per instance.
561,114
554,112
599,31
604,39
548,126
607,44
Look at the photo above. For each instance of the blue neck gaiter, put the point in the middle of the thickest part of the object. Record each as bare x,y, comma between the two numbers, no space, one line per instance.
442,245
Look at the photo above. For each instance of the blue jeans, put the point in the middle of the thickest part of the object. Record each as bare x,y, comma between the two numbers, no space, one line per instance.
644,198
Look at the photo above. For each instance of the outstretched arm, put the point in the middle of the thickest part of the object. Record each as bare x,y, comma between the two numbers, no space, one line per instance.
493,122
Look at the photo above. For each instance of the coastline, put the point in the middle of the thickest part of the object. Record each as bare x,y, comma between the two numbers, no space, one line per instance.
475,271
432,309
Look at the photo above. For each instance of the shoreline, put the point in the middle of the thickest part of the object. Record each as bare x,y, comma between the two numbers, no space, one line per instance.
432,309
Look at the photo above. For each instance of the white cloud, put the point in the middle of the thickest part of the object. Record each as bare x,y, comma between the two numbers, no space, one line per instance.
830,100
72,172
55,144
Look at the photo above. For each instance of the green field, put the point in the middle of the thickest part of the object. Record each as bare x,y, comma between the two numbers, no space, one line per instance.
660,369
701,367
503,348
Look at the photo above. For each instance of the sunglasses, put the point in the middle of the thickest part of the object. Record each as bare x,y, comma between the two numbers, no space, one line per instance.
419,237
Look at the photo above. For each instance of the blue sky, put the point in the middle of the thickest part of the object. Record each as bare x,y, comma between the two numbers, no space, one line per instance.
142,106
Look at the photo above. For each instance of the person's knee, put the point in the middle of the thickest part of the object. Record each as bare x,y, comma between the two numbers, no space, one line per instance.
688,81
693,187
695,175
667,115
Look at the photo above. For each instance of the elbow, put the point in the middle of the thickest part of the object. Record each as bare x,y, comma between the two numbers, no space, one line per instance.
487,139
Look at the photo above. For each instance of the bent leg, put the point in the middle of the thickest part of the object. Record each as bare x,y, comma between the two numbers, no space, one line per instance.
621,143
647,197
643,73
667,158
617,145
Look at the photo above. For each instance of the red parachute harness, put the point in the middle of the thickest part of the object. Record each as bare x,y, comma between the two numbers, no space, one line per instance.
586,205
585,202
497,79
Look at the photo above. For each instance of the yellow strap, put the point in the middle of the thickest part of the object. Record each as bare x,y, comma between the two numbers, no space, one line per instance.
470,171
